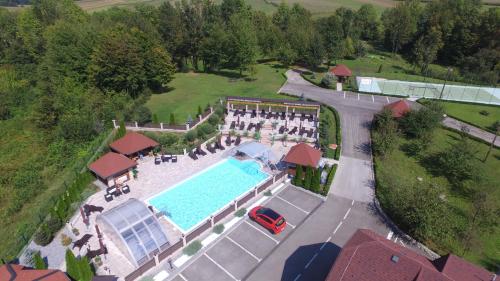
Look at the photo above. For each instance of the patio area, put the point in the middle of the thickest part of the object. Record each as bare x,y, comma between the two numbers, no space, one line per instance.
152,178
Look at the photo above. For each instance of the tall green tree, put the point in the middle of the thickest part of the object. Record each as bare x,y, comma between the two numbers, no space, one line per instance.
426,48
308,177
242,43
72,265
85,270
400,24
39,262
368,22
297,179
213,47
419,123
384,134
316,181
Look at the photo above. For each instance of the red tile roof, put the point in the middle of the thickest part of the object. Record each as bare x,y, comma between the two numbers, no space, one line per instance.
368,256
303,154
111,164
341,70
132,143
17,272
399,108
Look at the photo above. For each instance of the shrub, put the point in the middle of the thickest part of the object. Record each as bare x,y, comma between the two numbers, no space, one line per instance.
329,80
268,193
200,112
72,265
66,240
213,120
484,112
329,179
29,257
308,178
155,119
75,231
192,248
142,115
297,180
190,136
43,236
171,119
39,262
241,212
316,181
206,128
121,130
168,139
218,229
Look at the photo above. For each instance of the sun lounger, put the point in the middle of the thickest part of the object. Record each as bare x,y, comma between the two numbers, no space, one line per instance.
293,131
311,118
192,155
262,113
282,129
200,151
254,114
242,125
210,148
82,241
108,197
126,189
258,127
310,133
283,117
268,115
292,116
165,158
157,160
228,140
233,124
237,141
302,131
174,158
243,112
302,117
236,112
219,144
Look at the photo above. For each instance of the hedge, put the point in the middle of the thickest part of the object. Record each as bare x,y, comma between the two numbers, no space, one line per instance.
329,179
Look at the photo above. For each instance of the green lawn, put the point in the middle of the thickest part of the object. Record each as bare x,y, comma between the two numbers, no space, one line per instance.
190,90
482,116
398,165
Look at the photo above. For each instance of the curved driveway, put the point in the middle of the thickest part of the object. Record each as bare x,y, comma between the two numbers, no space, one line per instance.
309,252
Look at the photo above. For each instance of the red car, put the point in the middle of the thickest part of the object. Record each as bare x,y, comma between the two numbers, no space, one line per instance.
268,219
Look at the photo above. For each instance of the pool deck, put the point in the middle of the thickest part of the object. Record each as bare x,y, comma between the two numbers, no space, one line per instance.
152,179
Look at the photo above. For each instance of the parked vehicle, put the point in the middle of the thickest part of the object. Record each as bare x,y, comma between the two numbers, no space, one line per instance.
268,219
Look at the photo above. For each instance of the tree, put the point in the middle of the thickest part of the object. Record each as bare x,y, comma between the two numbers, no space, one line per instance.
117,63
242,43
77,125
171,119
308,178
368,22
213,47
418,123
315,51
400,24
120,133
458,163
39,262
297,179
85,270
142,114
384,135
496,126
426,48
200,112
158,67
172,30
316,181
72,266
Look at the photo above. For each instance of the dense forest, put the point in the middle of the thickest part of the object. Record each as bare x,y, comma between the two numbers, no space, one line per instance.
64,74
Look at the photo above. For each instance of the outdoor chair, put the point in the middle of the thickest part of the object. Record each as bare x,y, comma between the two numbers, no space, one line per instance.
310,133
236,112
174,158
292,116
268,115
242,125
258,127
262,113
165,158
302,131
210,148
237,141
200,151
192,155
283,117
219,144
302,117
157,160
243,112
228,140
281,130
233,124
126,189
311,118
250,126
108,197
254,114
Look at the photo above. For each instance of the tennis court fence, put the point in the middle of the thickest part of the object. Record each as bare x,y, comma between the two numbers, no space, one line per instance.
473,94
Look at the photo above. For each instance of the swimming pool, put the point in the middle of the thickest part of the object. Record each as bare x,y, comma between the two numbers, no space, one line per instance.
195,199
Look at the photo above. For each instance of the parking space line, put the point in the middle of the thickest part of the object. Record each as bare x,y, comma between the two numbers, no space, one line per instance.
358,96
344,95
324,243
297,278
311,260
337,228
291,225
299,208
352,203
276,241
243,248
182,276
373,98
347,213
220,266
389,235
387,99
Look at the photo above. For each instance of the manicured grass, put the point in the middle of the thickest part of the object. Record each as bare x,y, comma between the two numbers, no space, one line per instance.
407,169
190,90
482,116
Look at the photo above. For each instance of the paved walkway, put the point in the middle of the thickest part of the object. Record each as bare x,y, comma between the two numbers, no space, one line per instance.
473,131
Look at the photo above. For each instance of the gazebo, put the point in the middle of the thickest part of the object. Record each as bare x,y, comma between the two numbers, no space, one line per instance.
113,168
398,108
302,154
132,144
342,72
258,151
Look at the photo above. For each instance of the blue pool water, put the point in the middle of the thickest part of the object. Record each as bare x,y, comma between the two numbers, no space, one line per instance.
195,199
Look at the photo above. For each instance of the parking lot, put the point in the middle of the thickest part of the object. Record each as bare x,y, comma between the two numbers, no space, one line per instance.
241,248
